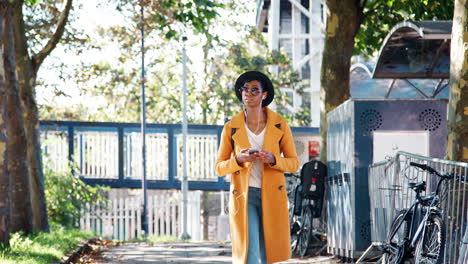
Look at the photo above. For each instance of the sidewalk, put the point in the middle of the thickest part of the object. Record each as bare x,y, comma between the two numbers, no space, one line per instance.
180,252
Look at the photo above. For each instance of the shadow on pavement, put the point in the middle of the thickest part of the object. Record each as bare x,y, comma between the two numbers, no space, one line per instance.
181,252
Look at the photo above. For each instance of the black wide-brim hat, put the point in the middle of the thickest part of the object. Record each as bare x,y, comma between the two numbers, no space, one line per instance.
267,85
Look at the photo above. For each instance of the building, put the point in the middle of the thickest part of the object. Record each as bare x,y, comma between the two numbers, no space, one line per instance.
298,27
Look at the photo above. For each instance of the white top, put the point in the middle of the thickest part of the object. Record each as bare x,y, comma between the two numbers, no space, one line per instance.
256,142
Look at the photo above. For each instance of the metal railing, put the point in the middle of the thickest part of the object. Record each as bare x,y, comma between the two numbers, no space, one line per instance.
388,181
109,153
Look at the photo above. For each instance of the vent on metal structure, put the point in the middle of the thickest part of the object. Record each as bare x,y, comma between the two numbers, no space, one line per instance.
430,119
365,230
370,120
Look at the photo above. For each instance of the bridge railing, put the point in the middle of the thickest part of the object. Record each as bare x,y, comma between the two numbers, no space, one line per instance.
110,153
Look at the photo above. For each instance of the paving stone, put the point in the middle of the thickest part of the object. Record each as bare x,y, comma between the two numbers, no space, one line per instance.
183,253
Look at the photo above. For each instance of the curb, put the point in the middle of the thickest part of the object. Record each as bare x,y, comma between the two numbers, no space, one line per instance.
84,249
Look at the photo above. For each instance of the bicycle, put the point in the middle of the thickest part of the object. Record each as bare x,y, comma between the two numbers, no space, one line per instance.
417,235
292,181
298,227
303,208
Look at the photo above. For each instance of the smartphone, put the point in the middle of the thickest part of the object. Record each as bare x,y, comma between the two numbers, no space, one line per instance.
253,151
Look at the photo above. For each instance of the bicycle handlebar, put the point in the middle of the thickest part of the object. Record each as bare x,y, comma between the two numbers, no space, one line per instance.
424,167
289,174
431,170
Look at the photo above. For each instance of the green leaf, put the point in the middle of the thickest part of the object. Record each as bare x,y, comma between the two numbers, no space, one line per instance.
381,16
67,196
170,34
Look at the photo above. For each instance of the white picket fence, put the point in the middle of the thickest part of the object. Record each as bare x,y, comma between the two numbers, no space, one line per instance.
121,219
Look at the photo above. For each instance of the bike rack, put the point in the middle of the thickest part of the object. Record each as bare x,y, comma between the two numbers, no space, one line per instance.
374,246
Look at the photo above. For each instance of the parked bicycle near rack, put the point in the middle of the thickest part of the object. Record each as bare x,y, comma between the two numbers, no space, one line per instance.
305,194
417,234
293,180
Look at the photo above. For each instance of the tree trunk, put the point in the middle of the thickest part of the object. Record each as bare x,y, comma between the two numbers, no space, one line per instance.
27,69
457,143
27,78
343,21
6,73
16,145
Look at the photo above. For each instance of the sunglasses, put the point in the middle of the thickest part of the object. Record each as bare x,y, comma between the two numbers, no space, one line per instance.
253,91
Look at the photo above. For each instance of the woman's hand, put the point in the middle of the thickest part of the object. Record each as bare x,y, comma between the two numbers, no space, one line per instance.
244,156
263,155
266,157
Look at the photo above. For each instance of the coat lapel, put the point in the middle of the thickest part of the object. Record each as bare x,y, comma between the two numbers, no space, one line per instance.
273,133
240,137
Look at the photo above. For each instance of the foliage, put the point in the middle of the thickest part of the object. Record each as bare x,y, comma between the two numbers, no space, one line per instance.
172,18
68,197
381,16
41,19
224,59
43,247
252,53
115,82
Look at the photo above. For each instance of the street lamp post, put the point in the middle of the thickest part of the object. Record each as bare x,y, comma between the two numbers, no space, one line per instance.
184,186
143,126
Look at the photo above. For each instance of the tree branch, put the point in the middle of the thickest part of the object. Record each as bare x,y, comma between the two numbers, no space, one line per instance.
363,6
39,57
360,13
20,34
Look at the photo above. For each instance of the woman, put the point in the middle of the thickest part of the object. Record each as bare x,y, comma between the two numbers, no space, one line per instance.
257,147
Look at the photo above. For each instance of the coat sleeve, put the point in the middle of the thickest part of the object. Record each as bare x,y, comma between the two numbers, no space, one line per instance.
226,162
288,162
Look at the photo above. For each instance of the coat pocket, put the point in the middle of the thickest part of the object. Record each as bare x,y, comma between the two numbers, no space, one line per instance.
236,202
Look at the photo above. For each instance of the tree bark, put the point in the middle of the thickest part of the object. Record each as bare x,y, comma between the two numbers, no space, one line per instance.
27,68
16,144
6,73
457,142
27,78
343,21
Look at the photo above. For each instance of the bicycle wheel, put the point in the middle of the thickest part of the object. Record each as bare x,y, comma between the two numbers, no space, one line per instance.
291,213
306,231
295,230
294,223
430,248
395,250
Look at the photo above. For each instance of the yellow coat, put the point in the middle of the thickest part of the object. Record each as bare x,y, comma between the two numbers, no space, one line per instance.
274,197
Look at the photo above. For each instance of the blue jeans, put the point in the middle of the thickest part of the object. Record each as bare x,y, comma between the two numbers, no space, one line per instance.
256,253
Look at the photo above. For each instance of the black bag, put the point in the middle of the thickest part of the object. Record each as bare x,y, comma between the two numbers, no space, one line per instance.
313,175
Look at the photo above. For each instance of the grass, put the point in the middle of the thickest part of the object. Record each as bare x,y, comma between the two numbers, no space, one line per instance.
42,248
